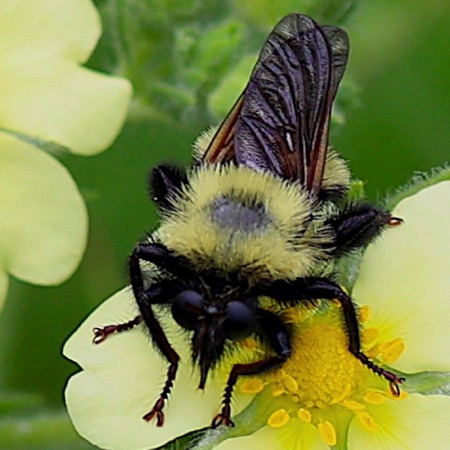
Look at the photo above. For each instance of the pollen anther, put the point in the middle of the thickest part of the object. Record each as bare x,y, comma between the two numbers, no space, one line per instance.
328,432
278,418
353,405
374,398
290,384
252,386
391,351
278,390
304,415
367,421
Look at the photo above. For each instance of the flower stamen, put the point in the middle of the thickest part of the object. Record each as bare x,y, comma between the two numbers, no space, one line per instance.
327,432
304,415
353,405
390,351
252,386
278,418
367,421
322,376
374,398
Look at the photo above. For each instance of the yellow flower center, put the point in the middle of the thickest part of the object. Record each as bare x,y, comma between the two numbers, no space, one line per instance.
321,371
322,379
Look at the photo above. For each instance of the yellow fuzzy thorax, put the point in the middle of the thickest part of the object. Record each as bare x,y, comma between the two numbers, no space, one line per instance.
285,247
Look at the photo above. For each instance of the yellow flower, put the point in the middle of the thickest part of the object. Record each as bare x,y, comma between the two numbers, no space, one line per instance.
322,397
47,95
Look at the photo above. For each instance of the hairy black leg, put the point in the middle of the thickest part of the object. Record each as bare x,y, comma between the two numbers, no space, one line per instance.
165,182
101,333
272,329
145,301
316,288
358,224
161,256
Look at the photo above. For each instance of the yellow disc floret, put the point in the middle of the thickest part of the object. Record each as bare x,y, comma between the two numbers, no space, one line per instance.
322,366
322,378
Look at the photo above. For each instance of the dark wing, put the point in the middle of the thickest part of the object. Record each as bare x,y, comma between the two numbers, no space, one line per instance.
281,121
221,147
284,122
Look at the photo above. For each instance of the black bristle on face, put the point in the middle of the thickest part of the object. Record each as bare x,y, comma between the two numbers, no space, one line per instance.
165,181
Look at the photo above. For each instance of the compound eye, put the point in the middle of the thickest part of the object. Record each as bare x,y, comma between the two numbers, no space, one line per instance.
187,306
239,322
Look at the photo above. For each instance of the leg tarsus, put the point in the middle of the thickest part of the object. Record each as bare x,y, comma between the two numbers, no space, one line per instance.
272,329
101,333
157,410
394,380
223,418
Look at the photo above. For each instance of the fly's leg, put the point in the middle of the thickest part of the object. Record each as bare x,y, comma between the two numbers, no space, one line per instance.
316,288
101,333
272,330
157,294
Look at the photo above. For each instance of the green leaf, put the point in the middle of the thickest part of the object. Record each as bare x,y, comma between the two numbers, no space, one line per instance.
428,383
420,180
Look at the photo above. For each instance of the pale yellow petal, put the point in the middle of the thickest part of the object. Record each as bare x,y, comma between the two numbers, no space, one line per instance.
417,423
296,435
67,29
123,377
48,95
43,219
405,279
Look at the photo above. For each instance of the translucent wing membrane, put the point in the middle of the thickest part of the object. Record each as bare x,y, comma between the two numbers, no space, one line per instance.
281,121
221,148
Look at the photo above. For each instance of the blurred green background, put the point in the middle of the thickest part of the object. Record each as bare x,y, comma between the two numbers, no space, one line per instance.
188,64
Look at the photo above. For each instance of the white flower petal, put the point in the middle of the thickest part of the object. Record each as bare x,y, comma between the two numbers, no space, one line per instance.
122,379
295,435
43,219
405,278
416,423
42,44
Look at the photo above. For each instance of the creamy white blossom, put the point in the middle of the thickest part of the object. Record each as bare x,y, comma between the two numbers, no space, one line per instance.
403,277
49,96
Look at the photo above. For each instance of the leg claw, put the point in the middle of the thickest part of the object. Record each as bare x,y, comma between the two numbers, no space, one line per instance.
100,335
222,419
155,413
395,221
394,386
